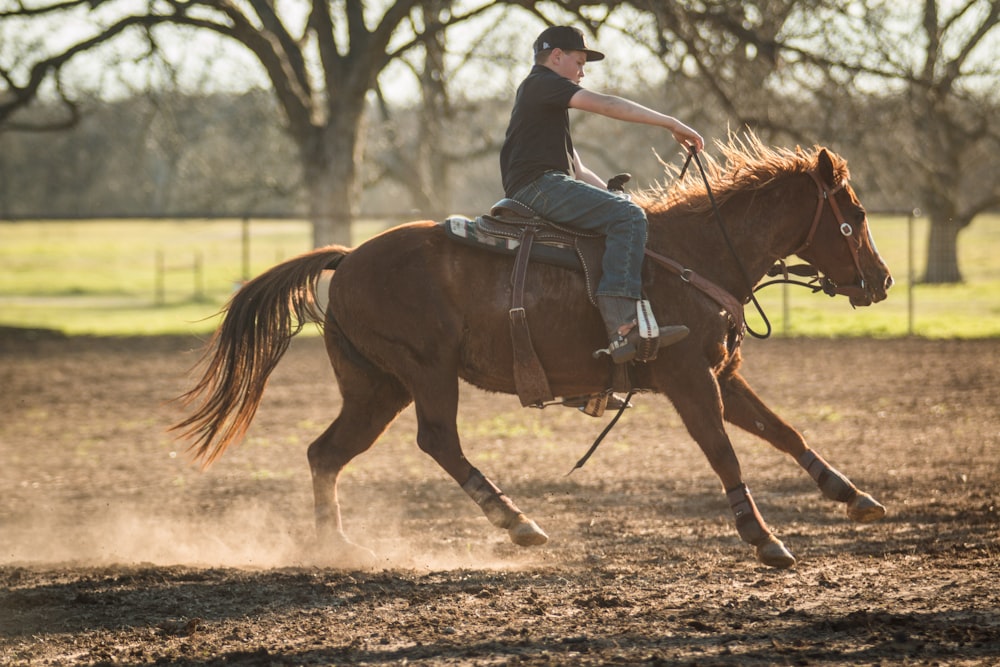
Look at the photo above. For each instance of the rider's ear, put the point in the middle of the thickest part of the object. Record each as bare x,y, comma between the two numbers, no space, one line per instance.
824,165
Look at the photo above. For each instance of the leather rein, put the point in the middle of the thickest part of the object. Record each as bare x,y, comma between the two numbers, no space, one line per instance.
730,303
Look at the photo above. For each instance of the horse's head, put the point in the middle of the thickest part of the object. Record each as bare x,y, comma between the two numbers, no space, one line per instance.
839,243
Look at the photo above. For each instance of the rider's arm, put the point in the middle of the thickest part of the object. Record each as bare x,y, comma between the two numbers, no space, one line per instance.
620,108
585,174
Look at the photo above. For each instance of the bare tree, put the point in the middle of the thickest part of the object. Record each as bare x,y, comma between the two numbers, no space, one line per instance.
321,66
939,60
957,128
838,58
419,164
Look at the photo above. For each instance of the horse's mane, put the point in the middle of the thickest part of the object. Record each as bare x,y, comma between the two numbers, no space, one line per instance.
749,166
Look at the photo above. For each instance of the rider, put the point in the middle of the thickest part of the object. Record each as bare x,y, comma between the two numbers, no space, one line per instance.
540,168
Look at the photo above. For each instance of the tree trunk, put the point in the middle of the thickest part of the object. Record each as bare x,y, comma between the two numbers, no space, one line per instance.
329,210
942,251
330,169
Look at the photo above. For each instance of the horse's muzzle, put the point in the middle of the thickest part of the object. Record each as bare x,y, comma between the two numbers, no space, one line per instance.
866,293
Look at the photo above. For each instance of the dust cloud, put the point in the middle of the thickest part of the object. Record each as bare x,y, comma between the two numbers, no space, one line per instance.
124,535
254,536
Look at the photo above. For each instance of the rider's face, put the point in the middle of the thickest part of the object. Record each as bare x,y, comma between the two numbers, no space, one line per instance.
568,64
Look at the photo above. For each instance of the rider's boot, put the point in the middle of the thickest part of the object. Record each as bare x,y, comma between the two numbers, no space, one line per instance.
621,319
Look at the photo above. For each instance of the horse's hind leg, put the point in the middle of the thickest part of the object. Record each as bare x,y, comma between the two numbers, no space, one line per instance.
371,401
745,409
502,512
437,435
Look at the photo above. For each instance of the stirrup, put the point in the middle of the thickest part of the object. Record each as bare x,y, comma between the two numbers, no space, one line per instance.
635,337
594,405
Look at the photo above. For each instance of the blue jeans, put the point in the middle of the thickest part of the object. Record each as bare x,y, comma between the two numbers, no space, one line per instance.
565,200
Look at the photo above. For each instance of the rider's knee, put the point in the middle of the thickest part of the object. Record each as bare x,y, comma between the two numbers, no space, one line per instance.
631,222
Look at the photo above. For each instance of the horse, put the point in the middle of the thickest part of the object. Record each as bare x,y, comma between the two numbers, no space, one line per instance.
410,312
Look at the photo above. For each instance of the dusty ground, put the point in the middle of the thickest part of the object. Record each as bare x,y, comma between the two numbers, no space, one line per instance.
115,550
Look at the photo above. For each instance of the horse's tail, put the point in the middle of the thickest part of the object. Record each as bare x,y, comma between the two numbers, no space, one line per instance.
259,323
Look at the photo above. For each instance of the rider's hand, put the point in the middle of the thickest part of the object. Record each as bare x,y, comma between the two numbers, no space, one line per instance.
688,138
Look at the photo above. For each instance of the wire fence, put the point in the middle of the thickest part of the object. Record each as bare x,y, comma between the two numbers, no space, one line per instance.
967,309
160,264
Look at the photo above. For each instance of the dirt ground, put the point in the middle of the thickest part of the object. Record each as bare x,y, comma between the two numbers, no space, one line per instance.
114,549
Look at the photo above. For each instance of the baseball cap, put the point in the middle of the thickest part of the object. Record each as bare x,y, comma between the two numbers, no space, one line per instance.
566,38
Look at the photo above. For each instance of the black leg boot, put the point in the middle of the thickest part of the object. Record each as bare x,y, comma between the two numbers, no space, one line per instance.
620,320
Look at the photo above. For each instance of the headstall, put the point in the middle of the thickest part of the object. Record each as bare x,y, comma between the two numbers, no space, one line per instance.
826,194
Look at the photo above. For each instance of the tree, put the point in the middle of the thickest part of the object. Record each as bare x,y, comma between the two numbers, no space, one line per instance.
941,63
422,163
321,65
841,57
958,129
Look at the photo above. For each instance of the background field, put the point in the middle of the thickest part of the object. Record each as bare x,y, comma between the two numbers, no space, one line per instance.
102,277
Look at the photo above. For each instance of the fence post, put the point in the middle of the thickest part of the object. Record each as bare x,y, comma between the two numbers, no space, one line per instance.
199,277
785,309
245,245
910,278
159,268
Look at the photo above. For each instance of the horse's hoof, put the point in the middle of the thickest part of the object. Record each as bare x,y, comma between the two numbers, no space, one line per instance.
340,552
526,533
357,556
864,509
774,554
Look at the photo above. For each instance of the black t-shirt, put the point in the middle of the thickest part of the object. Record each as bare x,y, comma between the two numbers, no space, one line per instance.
538,137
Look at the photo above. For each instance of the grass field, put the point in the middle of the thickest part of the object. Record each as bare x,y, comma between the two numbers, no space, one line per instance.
102,278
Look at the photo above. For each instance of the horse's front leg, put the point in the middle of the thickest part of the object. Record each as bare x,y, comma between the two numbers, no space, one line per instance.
700,407
745,409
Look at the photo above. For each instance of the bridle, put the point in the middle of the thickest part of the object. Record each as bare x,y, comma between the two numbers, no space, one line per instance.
828,286
825,284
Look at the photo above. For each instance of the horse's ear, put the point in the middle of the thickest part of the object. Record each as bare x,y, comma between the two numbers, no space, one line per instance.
824,165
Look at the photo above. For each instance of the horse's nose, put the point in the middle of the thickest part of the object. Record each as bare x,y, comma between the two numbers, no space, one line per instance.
889,282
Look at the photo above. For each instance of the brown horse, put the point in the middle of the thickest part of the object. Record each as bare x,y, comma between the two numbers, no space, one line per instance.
410,312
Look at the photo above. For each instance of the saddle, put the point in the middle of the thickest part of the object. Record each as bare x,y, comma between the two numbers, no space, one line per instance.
514,229
511,225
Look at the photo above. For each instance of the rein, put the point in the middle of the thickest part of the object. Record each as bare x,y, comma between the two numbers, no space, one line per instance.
692,154
604,433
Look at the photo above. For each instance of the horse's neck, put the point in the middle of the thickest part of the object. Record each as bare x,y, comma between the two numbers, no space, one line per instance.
761,227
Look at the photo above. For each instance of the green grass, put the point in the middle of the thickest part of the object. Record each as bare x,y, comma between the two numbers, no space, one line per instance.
99,277
967,310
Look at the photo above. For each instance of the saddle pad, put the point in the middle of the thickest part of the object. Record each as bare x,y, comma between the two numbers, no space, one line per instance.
477,233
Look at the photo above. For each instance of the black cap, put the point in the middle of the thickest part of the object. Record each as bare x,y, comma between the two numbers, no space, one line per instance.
566,38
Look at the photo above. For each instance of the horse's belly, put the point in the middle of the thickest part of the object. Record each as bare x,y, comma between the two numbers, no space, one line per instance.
563,334
440,299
